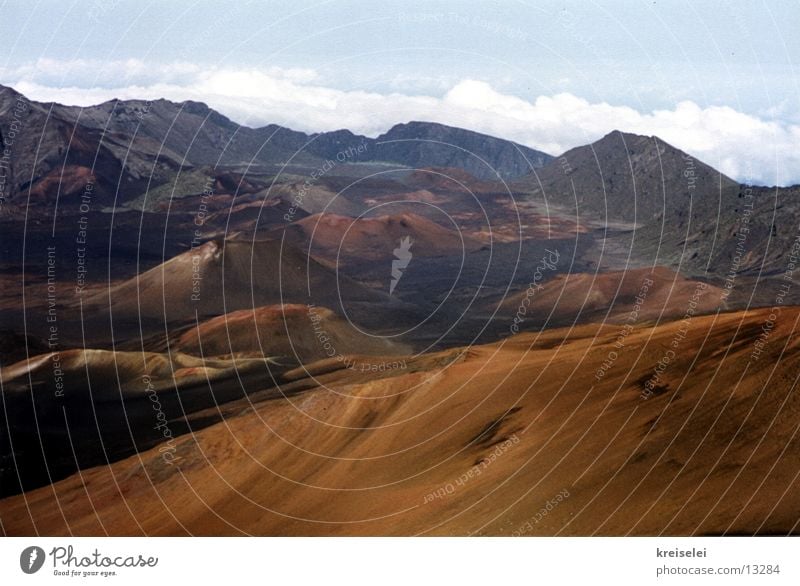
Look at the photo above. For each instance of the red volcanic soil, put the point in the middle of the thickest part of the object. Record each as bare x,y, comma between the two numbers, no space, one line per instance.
374,238
67,182
306,333
481,442
653,293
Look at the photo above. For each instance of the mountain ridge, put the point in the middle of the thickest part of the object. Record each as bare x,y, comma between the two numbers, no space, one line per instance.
151,140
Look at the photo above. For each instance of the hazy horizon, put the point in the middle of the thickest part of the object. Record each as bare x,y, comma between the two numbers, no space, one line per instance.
717,81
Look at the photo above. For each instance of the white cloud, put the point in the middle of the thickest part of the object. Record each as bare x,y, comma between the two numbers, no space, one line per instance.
746,147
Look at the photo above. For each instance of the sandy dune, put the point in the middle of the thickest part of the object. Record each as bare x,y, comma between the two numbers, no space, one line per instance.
307,333
75,409
569,432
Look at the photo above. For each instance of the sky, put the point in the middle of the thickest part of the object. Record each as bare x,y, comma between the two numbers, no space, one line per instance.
718,79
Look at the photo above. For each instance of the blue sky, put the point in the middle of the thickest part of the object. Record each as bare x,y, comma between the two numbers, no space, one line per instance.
719,79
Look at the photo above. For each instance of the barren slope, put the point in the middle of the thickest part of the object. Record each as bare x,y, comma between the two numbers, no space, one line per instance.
371,238
222,276
306,333
638,295
480,442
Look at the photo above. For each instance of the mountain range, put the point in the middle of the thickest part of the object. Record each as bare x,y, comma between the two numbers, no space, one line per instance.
131,146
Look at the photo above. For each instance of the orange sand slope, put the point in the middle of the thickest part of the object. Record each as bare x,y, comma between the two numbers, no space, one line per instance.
304,332
644,293
222,276
683,428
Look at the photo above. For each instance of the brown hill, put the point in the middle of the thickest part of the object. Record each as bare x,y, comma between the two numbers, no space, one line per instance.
76,409
305,333
371,238
222,276
649,293
514,438
117,373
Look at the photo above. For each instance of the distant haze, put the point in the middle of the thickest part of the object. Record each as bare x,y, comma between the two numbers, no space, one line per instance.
718,80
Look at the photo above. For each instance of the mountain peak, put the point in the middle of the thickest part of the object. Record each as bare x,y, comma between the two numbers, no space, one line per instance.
628,177
193,107
619,143
617,134
419,125
422,129
431,144
8,95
